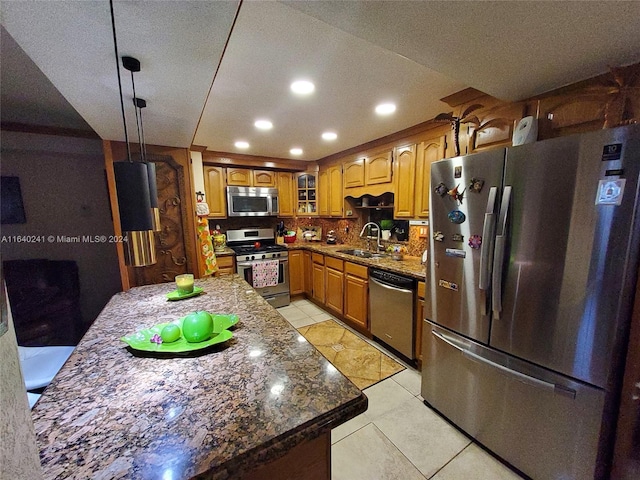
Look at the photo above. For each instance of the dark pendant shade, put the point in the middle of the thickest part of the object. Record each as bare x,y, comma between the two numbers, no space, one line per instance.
153,196
134,204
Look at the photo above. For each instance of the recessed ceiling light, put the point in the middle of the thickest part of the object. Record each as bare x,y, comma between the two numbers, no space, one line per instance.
295,151
302,87
329,135
385,108
242,144
263,124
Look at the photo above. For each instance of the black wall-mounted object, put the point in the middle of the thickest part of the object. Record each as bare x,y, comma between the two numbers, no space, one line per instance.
11,201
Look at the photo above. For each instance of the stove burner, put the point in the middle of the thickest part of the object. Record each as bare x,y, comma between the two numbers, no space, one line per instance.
249,249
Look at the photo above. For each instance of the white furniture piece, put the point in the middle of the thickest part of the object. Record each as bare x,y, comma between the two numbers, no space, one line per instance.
40,364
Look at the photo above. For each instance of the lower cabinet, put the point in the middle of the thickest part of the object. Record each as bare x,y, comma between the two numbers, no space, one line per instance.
334,284
308,273
296,272
226,265
317,275
356,294
340,286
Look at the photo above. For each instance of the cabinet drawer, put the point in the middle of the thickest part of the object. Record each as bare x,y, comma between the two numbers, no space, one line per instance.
356,270
225,262
334,263
421,289
317,258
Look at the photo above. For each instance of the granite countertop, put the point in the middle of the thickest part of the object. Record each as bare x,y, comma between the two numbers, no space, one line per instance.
411,266
227,251
111,414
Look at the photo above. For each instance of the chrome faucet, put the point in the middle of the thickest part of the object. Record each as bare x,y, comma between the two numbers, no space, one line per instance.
374,224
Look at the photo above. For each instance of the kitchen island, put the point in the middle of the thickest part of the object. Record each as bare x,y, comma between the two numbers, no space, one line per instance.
261,405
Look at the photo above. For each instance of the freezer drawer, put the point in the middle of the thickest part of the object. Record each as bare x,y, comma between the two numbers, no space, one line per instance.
542,423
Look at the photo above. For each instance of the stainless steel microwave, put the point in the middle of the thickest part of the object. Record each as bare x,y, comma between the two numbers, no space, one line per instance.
252,201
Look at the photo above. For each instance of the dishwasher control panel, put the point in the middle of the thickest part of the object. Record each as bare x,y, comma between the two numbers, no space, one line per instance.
392,278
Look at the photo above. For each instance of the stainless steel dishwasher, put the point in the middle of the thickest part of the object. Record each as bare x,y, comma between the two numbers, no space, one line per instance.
391,300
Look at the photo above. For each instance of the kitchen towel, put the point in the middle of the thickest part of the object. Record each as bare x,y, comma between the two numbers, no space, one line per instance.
207,259
265,273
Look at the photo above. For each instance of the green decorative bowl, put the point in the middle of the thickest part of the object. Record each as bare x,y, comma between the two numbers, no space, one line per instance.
141,340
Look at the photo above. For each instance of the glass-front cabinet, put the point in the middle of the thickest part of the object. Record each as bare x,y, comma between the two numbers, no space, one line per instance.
307,194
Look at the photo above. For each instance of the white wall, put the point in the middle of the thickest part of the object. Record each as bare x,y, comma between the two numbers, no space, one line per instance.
64,191
198,172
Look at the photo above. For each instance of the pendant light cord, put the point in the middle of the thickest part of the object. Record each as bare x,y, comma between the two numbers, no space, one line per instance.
138,118
144,145
115,46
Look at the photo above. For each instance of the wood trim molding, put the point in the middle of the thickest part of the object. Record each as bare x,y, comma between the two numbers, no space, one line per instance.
115,213
48,130
253,161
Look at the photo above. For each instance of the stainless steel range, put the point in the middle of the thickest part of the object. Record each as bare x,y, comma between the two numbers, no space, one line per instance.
255,247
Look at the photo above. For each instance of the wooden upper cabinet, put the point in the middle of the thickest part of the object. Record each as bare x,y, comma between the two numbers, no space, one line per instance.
306,193
286,194
215,191
239,177
323,193
378,168
264,178
404,172
245,177
354,173
336,197
429,151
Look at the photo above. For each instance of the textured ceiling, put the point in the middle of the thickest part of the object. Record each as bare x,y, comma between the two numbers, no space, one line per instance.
58,65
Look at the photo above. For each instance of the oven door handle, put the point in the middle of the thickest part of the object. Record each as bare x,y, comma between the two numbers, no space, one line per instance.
249,264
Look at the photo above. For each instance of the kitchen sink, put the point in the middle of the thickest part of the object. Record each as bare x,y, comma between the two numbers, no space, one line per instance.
361,253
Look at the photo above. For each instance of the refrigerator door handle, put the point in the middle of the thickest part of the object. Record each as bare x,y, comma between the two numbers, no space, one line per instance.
527,379
487,245
498,256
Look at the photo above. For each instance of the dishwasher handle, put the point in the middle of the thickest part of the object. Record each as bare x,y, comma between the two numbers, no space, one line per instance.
390,287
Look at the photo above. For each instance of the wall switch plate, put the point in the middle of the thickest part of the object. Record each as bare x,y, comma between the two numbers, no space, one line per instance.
349,213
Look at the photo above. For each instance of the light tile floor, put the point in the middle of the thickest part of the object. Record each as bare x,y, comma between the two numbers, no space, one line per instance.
399,437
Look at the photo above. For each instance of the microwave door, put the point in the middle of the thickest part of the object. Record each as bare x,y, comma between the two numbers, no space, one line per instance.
243,205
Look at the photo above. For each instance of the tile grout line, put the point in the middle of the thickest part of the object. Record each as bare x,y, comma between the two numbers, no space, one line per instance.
451,459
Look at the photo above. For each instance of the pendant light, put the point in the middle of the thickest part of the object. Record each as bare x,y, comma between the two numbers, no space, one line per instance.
132,189
133,65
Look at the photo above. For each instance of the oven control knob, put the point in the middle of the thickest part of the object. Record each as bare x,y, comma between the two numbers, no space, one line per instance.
252,257
264,256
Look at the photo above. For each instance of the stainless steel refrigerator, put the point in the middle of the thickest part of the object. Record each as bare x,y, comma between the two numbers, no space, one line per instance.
533,271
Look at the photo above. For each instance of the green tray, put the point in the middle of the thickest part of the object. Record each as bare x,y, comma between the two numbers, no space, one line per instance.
175,295
142,340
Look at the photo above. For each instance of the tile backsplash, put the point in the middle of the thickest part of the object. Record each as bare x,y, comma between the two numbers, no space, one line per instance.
347,230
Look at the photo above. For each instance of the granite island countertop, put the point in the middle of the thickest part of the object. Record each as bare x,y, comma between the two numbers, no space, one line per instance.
111,414
411,266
